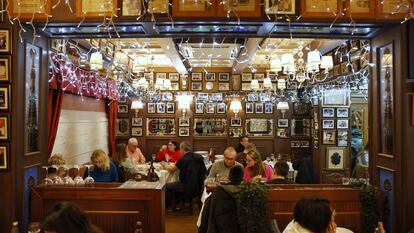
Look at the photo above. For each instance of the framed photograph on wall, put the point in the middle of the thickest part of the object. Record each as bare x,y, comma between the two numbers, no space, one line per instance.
362,8
259,77
193,8
174,77
196,86
246,87
170,107
224,77
136,131
197,77
329,137
122,127
249,107
4,127
184,132
183,121
336,98
221,108
342,123
247,8
132,8
247,77
392,9
210,108
224,86
268,108
335,158
123,109
160,107
328,112
32,74
199,108
273,7
282,123
151,108
4,97
6,41
5,68
342,112
158,6
342,137
136,121
328,124
235,122
4,157
320,9
282,133
26,9
95,8
210,77
259,107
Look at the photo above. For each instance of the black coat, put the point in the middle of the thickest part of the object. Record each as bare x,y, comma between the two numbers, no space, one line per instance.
195,175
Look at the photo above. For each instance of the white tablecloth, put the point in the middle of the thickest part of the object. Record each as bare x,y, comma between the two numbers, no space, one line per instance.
171,176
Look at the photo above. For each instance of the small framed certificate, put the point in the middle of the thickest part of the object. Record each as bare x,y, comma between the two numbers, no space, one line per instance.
393,9
158,6
361,8
244,8
194,8
95,8
320,8
131,8
25,8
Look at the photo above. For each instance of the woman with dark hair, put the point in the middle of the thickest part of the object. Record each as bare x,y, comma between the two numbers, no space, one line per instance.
124,165
312,215
255,170
66,217
170,152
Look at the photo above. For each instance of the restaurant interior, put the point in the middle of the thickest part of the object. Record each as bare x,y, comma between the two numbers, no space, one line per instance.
326,84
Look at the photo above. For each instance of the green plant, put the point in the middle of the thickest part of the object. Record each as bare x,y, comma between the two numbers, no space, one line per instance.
369,210
251,207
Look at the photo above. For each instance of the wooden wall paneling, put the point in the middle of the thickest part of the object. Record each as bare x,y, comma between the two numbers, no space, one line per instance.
395,36
264,146
205,143
153,145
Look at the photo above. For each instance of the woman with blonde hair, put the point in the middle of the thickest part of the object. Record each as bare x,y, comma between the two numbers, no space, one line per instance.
54,164
103,170
255,170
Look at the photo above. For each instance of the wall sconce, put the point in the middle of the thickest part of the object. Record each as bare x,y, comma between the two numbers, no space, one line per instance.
283,106
136,105
184,101
235,106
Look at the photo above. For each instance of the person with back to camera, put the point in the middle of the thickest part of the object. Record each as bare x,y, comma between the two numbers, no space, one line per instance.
169,152
312,215
66,217
280,172
255,170
104,170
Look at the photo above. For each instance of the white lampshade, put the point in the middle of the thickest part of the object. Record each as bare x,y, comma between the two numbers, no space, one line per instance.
142,83
167,84
96,61
137,104
255,84
287,59
282,105
139,64
184,101
121,58
289,69
327,62
267,83
281,84
235,106
275,65
314,57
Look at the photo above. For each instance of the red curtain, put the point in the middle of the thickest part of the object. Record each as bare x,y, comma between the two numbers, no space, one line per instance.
112,110
53,114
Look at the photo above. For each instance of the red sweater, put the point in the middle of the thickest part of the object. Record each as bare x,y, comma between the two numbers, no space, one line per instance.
174,156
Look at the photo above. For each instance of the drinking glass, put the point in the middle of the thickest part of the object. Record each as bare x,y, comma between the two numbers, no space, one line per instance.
67,180
78,179
268,159
167,158
47,180
89,179
153,157
34,227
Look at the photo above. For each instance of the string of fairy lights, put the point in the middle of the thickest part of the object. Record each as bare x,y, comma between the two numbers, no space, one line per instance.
356,79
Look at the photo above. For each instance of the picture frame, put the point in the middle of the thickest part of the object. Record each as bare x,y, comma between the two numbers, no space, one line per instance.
294,144
282,133
282,123
221,108
343,137
216,96
210,108
236,132
328,124
122,127
196,86
268,108
249,107
131,8
136,121
184,132
259,77
362,8
329,137
5,68
210,77
160,107
89,9
336,158
388,9
175,86
304,144
246,87
342,112
250,8
154,97
4,127
136,131
252,97
342,123
123,109
247,77
151,108
224,86
33,60
234,122
6,41
167,96
197,77
201,96
1,12
336,98
184,82
174,77
328,112
193,8
184,121
224,77
317,8
161,75
199,108
316,144
170,107
158,6
275,8
4,157
258,107
259,126
25,8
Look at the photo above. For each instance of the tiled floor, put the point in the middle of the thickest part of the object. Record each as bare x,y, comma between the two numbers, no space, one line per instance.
181,222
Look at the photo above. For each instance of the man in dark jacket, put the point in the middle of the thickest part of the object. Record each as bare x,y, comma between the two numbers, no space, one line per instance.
220,210
243,141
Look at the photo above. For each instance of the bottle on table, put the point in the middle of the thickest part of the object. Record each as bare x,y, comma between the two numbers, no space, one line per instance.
212,155
152,176
15,227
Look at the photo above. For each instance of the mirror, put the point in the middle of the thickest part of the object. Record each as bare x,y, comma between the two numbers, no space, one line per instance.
160,126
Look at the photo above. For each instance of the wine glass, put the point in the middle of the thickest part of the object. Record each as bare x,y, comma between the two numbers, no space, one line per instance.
34,227
67,180
89,179
47,180
78,179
